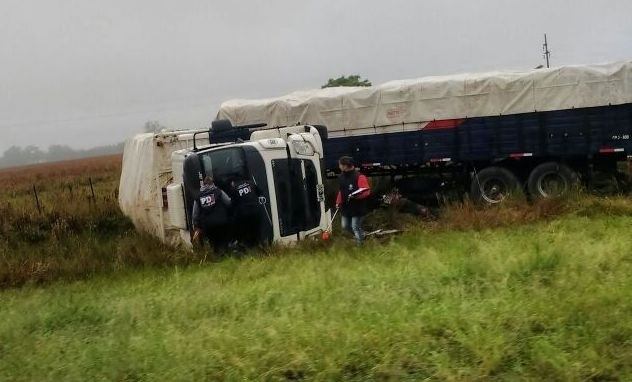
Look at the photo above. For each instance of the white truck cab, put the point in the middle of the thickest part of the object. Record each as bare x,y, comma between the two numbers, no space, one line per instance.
283,163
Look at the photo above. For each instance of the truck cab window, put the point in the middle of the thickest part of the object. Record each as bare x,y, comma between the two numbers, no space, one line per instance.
225,165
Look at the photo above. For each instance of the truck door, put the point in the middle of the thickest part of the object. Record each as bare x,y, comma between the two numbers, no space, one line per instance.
308,185
314,191
297,191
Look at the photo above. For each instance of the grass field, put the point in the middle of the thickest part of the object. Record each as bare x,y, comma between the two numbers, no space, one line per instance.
522,292
73,235
548,301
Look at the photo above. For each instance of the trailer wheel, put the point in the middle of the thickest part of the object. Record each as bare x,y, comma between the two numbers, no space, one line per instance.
551,179
494,184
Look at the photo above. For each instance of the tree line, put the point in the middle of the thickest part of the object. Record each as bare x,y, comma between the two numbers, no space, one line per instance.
18,156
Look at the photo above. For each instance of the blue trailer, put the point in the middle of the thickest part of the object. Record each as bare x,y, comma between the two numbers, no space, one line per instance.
541,131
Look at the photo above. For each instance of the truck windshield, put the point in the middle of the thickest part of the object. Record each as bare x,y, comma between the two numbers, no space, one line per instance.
224,165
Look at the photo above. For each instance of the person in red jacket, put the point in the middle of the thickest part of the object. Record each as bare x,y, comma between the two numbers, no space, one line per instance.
352,197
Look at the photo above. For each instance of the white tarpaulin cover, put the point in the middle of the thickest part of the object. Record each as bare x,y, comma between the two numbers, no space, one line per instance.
146,171
409,104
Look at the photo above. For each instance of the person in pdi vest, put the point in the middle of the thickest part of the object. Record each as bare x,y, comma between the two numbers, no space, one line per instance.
247,211
352,197
210,214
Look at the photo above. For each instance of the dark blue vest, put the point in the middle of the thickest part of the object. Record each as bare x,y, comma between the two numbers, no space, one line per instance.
348,184
212,208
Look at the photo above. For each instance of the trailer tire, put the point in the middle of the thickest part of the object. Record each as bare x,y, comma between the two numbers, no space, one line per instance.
551,179
494,184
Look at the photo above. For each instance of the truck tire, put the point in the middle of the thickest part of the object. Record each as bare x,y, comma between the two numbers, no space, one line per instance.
494,184
551,179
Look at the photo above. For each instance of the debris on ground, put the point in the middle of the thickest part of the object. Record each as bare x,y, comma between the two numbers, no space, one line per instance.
404,205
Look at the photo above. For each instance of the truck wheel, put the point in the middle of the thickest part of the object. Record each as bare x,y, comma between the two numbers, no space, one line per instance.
551,179
493,184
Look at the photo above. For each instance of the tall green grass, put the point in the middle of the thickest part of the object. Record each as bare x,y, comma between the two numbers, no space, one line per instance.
523,291
73,237
546,301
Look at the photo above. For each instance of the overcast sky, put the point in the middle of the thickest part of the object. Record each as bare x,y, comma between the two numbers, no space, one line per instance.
91,72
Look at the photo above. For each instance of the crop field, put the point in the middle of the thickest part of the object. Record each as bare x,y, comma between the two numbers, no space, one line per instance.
72,234
525,291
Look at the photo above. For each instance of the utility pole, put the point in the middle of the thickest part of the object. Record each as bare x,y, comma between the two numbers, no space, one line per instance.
545,51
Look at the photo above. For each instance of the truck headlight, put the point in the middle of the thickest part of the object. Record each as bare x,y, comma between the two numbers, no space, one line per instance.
303,148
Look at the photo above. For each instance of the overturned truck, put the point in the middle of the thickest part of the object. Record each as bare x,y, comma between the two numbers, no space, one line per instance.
540,131
162,174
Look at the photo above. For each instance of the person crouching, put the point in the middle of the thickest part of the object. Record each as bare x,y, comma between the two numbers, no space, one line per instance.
210,214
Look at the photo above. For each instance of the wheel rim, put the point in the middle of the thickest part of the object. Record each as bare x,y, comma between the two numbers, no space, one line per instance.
552,184
494,190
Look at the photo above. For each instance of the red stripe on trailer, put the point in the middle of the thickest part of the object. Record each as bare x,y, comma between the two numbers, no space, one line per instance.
520,155
443,124
609,150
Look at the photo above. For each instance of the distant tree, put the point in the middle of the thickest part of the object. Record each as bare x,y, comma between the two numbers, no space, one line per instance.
12,156
352,80
60,152
17,156
104,150
33,154
153,127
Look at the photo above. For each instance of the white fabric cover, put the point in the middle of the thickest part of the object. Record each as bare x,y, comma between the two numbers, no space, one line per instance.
410,104
146,170
136,198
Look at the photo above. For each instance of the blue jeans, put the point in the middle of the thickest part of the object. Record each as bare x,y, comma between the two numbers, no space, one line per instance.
353,224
